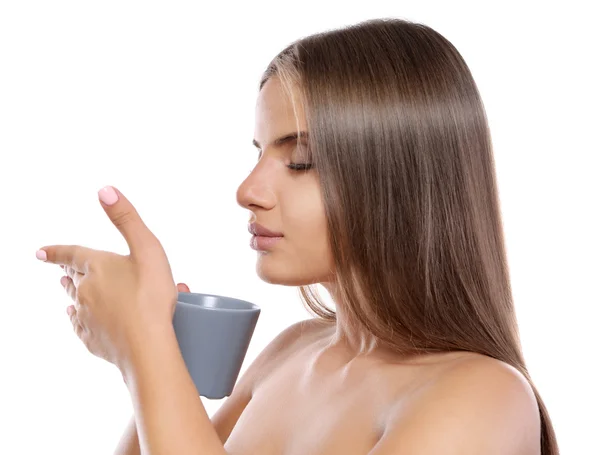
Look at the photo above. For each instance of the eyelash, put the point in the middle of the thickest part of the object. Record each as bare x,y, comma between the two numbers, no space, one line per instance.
300,166
297,166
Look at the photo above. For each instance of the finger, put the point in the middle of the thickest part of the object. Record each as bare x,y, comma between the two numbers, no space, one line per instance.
75,256
75,320
77,307
182,287
127,220
70,287
74,275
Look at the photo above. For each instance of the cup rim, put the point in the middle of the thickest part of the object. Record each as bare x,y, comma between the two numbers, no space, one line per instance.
253,307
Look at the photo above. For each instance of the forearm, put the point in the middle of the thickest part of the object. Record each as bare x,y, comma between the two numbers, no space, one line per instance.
169,415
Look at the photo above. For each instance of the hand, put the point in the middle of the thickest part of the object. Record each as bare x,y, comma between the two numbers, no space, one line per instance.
119,299
72,291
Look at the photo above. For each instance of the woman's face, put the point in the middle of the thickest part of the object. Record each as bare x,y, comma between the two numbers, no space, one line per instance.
284,200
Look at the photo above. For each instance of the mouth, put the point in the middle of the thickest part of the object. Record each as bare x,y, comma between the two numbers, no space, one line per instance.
261,231
262,242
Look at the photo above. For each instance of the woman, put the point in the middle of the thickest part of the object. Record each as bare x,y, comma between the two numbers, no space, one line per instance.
375,170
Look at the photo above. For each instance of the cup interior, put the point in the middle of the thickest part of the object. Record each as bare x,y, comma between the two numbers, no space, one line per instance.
215,302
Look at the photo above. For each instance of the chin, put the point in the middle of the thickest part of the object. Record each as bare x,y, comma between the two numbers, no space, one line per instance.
274,272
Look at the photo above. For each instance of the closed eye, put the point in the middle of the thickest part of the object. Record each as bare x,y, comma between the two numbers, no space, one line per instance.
300,166
296,166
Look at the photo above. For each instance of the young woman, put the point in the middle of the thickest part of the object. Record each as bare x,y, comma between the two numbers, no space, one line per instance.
375,174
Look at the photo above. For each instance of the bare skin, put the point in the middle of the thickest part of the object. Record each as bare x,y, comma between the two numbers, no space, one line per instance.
302,395
308,398
329,389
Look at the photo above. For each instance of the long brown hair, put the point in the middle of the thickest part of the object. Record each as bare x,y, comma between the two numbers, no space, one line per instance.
399,136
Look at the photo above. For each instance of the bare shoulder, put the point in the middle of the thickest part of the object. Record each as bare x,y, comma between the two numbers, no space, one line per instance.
280,348
288,340
478,405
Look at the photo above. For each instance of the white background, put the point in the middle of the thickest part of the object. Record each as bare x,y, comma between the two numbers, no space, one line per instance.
157,98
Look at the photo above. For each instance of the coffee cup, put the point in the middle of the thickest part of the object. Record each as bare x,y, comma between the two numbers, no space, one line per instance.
214,333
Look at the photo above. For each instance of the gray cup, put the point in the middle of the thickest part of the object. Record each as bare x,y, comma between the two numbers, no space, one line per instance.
213,333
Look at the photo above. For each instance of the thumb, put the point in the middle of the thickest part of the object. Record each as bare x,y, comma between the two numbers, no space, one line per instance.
127,220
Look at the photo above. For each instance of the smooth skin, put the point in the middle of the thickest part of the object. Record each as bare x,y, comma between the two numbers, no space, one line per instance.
123,313
321,388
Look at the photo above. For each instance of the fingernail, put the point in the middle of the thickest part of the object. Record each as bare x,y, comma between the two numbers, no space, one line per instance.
108,195
41,255
64,280
70,310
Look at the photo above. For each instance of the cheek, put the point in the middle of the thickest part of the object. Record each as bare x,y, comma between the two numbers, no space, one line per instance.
304,212
308,226
305,257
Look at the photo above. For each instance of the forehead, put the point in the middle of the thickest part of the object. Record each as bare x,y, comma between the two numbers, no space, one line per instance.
275,112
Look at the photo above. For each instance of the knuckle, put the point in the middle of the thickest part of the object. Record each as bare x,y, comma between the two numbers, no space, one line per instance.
79,301
76,279
96,265
72,291
76,325
91,267
83,288
122,218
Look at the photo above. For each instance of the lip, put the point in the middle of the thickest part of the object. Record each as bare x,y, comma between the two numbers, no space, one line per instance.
263,243
261,231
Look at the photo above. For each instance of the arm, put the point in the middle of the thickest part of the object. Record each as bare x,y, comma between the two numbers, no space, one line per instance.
169,415
480,406
129,443
229,412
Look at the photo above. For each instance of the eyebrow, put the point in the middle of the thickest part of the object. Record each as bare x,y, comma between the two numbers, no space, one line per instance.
283,139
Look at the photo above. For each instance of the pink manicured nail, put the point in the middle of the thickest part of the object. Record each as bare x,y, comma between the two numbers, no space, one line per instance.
41,255
108,195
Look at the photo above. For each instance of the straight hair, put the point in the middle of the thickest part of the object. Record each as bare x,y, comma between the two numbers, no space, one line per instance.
400,139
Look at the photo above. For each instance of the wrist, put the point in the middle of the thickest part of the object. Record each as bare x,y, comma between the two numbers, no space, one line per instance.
144,348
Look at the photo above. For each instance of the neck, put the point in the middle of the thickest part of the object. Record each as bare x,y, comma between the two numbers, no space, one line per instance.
347,335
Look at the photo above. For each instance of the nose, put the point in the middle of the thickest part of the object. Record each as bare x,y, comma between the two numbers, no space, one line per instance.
255,191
